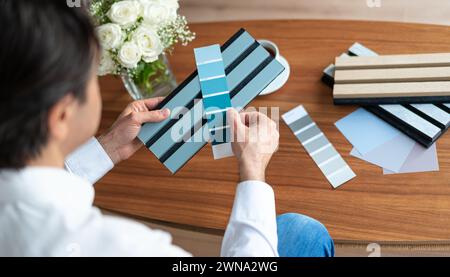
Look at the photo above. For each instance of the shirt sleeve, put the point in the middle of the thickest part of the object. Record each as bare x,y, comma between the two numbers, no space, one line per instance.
252,229
89,162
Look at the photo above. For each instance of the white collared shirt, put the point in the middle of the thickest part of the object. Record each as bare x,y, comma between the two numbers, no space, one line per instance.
49,212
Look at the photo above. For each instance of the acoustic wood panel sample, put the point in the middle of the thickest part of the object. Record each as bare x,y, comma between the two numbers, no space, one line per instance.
432,113
420,115
391,79
408,122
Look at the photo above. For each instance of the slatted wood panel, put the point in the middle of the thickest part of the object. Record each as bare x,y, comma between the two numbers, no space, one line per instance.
431,120
370,207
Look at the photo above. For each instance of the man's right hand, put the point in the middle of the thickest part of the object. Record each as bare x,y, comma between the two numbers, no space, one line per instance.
255,140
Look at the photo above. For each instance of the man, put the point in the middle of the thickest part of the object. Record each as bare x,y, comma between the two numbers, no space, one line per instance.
50,106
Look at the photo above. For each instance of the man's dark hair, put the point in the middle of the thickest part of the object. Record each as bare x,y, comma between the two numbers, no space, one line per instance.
46,52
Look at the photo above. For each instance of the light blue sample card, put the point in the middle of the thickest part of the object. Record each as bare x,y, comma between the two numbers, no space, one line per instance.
391,155
216,97
420,159
318,147
365,131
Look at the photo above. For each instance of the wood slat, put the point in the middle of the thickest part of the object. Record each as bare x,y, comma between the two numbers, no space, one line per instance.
382,90
394,61
425,74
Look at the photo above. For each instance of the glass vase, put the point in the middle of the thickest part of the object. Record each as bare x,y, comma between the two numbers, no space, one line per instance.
161,82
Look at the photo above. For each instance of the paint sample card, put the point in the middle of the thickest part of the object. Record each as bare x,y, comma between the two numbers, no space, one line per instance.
365,131
384,146
420,159
330,162
390,155
216,98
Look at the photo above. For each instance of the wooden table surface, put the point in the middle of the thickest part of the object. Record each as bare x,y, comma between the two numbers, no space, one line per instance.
371,207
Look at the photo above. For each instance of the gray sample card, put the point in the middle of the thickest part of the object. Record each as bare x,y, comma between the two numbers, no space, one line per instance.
330,162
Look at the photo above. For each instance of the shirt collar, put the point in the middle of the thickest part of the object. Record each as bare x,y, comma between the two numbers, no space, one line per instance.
40,186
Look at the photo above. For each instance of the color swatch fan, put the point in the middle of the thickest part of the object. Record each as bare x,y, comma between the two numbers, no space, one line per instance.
249,69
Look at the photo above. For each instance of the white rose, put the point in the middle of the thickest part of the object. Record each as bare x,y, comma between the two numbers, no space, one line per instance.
157,14
110,35
129,55
125,13
107,64
149,43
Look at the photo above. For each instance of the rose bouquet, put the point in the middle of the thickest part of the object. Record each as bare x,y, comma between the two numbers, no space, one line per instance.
135,36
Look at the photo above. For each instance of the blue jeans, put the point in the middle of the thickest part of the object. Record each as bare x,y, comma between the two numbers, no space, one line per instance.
302,236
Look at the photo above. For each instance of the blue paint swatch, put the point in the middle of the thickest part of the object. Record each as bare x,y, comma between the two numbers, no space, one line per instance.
208,54
218,102
211,69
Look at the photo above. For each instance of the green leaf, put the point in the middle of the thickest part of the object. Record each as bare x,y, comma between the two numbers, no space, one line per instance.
148,73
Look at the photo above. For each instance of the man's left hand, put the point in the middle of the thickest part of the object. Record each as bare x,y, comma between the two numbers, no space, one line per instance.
121,141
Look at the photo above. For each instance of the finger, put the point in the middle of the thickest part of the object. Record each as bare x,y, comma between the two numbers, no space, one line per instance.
234,118
140,106
272,127
150,116
251,118
237,126
261,119
152,103
243,117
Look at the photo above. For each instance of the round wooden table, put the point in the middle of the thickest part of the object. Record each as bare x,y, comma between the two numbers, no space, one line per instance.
371,207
